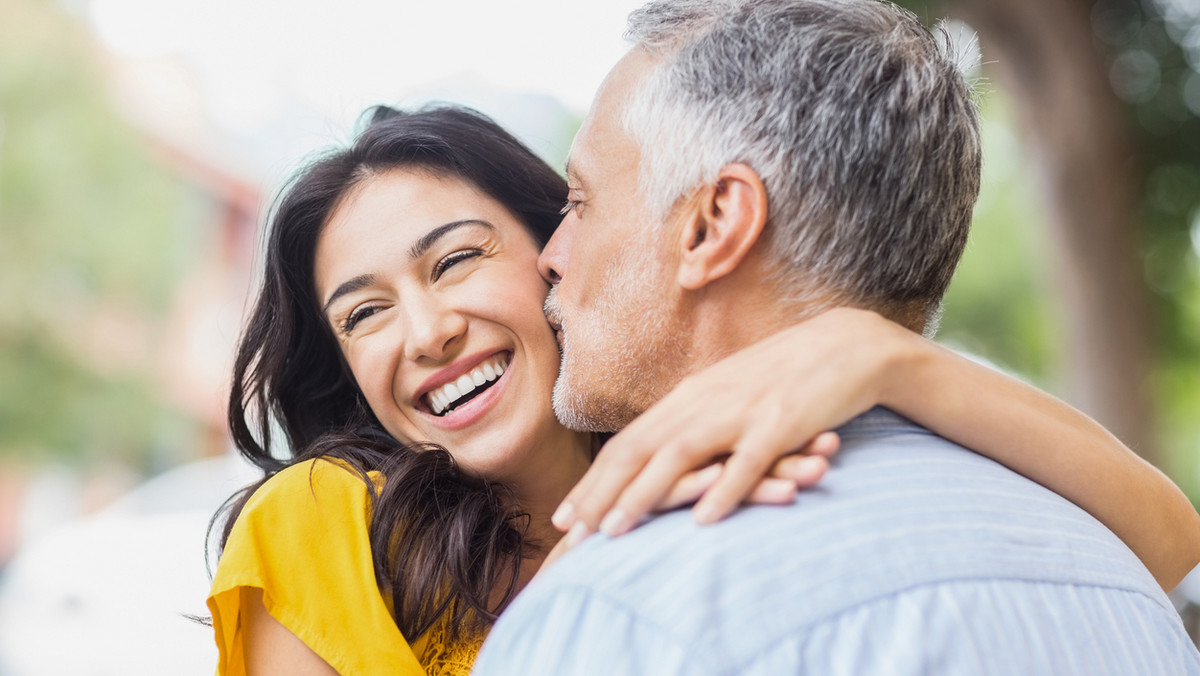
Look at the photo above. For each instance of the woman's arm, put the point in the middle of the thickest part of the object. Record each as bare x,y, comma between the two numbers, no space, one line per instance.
272,650
762,402
1053,444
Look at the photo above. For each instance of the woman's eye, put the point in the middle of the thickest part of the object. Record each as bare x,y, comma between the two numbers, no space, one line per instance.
570,206
357,316
453,259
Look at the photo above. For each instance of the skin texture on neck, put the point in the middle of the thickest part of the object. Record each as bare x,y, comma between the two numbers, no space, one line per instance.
734,313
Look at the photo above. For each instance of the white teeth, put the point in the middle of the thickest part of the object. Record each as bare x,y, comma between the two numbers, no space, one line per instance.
441,398
465,384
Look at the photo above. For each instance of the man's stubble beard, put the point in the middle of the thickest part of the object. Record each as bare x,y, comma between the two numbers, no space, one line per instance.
621,357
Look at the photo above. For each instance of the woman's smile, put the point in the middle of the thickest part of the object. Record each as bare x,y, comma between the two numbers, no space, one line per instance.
463,393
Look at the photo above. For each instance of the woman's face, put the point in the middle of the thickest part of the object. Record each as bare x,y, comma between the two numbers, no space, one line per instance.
432,290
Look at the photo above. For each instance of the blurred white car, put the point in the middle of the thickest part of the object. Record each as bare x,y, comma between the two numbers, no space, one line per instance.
109,595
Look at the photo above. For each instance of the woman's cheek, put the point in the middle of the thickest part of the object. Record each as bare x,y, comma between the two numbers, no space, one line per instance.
367,367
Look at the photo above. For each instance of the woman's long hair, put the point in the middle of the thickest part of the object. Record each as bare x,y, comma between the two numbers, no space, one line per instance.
441,540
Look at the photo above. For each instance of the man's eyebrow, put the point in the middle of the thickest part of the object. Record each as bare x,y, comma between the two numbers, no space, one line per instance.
348,287
426,242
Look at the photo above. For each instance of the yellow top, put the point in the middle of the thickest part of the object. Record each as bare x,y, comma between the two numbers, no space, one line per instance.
302,539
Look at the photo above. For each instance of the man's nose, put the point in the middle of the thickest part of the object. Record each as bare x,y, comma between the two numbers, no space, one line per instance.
553,259
433,329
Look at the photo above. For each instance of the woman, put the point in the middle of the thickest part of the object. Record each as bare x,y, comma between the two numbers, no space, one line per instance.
401,312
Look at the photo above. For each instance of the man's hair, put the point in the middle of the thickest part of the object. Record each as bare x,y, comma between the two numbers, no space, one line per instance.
857,120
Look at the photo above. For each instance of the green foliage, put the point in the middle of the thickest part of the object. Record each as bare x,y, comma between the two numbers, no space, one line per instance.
998,305
995,307
89,223
54,409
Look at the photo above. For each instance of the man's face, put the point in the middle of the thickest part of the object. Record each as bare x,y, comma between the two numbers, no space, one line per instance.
612,303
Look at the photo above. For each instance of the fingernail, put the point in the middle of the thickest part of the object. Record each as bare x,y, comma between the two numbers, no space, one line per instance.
614,523
563,516
577,534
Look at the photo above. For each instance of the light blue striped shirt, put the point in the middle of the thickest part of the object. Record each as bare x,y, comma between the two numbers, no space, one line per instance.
913,556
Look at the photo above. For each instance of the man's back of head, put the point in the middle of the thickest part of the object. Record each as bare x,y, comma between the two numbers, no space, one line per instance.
856,118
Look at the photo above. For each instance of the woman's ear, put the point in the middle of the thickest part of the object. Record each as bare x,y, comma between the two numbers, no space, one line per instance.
726,218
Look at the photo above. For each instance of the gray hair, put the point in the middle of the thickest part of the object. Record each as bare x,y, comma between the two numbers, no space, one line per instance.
857,121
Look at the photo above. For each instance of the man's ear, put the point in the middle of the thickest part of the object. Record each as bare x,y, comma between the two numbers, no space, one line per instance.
722,223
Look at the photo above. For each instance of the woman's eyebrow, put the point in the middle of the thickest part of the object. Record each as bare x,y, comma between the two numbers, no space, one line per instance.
418,249
350,286
429,239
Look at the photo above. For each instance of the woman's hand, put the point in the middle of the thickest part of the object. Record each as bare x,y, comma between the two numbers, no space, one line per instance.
799,469
759,407
789,474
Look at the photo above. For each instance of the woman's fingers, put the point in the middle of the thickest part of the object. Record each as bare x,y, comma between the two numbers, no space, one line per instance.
646,468
592,498
807,467
743,470
664,438
786,476
825,444
686,490
779,487
801,470
690,487
651,485
772,491
743,473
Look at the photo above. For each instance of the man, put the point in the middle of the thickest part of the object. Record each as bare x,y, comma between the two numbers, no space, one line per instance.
749,164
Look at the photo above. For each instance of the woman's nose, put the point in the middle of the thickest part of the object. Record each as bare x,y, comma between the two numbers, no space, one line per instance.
433,329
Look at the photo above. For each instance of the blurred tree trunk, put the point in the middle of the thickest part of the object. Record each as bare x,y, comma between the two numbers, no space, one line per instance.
1043,52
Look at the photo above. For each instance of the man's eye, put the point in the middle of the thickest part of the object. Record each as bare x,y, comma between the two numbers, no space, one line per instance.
453,259
570,206
357,316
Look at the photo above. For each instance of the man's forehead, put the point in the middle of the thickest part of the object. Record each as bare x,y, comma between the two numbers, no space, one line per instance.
601,133
601,154
578,157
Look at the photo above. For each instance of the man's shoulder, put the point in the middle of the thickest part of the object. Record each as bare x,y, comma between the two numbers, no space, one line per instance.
903,517
900,507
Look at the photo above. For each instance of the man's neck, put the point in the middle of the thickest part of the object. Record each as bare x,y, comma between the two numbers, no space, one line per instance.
724,325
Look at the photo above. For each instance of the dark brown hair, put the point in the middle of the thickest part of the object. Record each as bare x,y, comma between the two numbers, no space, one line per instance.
440,539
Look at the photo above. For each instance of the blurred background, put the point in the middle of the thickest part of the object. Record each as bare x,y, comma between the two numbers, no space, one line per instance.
141,142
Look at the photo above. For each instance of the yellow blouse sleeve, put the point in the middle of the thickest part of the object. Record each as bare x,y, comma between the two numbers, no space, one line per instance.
302,539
